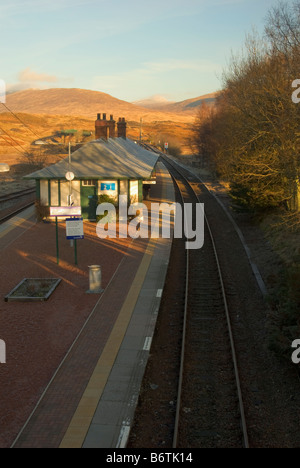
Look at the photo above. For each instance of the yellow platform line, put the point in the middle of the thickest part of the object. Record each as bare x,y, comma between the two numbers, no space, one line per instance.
82,418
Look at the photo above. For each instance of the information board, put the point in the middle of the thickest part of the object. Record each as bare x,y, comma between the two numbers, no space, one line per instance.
74,228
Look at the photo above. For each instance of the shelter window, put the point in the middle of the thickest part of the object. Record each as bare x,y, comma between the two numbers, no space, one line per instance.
66,189
44,192
89,183
54,193
134,191
123,187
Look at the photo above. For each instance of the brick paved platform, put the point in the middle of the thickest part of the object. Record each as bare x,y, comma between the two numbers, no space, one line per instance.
91,398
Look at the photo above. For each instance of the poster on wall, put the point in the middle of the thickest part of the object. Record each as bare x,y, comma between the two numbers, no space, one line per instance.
108,186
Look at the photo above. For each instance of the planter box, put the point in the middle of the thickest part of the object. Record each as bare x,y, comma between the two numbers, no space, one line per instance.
33,290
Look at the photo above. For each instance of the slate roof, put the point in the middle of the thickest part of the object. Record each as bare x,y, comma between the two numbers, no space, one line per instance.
115,158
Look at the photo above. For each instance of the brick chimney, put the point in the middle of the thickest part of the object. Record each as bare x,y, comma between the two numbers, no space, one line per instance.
112,127
101,127
122,127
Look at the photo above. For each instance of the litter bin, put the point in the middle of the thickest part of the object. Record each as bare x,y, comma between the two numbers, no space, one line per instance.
95,279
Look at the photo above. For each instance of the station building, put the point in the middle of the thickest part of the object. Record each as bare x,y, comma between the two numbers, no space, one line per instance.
110,165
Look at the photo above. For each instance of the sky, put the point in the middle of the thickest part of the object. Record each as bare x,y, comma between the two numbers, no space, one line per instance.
130,49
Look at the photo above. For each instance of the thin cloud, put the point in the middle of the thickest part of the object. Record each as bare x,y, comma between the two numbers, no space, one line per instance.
169,65
16,87
154,69
150,74
29,79
29,75
16,7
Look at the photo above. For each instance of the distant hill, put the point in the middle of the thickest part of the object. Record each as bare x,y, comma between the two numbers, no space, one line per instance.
187,107
154,102
86,103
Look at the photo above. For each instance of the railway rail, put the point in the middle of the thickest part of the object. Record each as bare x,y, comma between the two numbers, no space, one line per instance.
15,195
17,206
209,402
206,309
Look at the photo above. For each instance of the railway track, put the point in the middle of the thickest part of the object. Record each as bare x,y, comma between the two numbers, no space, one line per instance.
18,206
15,195
209,410
215,415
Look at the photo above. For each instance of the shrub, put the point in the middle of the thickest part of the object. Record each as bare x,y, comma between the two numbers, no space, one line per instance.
285,317
107,199
42,211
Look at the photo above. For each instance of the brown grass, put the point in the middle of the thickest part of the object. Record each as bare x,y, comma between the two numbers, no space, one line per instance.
86,103
20,137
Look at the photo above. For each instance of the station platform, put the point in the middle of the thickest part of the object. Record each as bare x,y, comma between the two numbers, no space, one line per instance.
91,398
16,226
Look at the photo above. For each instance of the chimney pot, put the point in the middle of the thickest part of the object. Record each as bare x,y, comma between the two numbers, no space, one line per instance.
101,127
122,127
111,127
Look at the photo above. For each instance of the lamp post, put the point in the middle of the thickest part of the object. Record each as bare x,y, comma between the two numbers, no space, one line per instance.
70,176
141,123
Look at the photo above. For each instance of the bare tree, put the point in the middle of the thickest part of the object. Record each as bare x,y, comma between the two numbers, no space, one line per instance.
283,30
253,137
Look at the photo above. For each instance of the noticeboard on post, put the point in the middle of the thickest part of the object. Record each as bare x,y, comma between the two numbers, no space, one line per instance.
74,228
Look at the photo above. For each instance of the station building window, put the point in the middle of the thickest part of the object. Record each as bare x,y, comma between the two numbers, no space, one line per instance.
89,183
54,188
134,191
44,192
124,187
65,191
